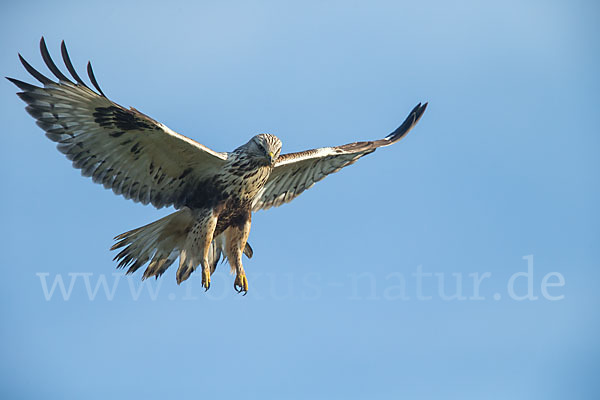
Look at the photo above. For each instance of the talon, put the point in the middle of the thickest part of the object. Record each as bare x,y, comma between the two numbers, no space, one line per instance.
205,279
241,284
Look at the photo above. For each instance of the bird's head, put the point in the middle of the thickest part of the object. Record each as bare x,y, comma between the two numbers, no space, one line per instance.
264,147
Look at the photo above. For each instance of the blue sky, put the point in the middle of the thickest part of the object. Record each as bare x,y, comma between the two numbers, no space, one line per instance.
500,177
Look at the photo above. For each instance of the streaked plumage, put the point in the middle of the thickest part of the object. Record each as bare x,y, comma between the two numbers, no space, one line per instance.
143,160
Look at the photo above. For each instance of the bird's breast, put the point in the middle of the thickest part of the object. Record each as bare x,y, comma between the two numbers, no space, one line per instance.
243,179
253,181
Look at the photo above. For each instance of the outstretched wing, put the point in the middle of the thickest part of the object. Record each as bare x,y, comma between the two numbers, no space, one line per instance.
123,149
295,172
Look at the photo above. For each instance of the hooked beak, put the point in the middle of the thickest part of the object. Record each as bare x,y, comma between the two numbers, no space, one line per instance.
271,158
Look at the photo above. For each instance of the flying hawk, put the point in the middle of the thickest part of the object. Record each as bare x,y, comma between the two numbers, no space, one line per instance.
214,193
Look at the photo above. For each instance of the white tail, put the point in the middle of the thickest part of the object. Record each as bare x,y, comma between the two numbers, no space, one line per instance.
161,242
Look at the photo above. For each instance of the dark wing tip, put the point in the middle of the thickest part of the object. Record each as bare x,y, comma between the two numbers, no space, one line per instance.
35,73
22,85
69,64
90,72
410,121
50,64
421,111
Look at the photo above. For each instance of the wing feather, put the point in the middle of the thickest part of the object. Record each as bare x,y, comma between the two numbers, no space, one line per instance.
295,172
69,64
122,149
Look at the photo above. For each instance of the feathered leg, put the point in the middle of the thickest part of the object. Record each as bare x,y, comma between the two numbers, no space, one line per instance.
197,246
236,238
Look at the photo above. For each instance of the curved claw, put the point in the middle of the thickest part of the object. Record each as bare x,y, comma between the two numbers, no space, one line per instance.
205,279
241,284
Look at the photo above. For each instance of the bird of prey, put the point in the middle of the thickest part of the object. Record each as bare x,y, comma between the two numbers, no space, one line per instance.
214,193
